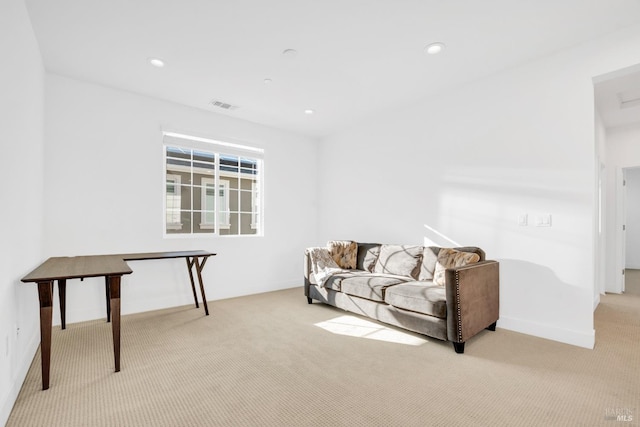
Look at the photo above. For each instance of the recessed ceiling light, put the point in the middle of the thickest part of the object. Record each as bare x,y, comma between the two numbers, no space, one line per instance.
267,81
156,62
309,111
434,48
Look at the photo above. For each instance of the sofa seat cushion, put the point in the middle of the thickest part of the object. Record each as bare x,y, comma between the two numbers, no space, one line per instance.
334,281
421,297
370,286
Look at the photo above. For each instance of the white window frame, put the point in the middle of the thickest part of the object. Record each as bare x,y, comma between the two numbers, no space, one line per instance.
177,181
207,183
221,206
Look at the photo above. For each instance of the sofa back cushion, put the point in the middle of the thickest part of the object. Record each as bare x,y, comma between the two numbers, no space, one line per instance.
367,256
449,258
400,260
428,266
343,252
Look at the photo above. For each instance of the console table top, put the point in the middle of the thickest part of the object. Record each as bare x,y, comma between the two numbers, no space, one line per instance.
79,267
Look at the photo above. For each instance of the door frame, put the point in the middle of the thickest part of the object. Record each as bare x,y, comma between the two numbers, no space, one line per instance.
620,235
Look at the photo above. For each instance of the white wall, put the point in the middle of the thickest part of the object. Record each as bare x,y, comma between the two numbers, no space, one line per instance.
21,159
103,192
469,161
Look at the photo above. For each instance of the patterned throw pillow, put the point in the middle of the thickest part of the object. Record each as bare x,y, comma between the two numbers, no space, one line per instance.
400,260
450,258
343,252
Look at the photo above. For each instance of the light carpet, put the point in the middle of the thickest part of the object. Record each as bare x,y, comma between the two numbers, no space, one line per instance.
261,360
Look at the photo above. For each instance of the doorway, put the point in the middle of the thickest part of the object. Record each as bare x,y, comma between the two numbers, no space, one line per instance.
617,105
631,229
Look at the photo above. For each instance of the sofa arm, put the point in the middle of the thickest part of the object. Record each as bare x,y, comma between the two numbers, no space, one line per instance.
308,274
473,300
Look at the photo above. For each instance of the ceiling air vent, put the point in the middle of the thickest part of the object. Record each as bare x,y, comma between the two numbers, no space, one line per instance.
223,105
629,98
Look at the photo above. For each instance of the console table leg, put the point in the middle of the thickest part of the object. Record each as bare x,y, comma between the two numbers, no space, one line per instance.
114,291
45,293
190,262
199,267
62,296
107,298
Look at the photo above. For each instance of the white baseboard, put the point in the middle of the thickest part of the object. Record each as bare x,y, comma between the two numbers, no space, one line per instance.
290,284
8,400
567,336
596,302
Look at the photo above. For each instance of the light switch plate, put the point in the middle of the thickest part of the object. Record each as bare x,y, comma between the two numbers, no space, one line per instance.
523,220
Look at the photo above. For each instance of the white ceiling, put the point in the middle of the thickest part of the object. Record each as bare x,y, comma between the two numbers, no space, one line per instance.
355,57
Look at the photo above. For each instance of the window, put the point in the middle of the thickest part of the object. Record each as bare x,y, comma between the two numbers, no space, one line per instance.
173,202
212,189
208,197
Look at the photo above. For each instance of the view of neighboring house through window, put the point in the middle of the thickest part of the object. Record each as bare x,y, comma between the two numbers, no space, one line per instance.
173,201
214,192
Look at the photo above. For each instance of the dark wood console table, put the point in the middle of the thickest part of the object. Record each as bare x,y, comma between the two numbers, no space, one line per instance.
112,267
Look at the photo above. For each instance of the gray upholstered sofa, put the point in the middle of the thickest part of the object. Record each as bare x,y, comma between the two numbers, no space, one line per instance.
428,290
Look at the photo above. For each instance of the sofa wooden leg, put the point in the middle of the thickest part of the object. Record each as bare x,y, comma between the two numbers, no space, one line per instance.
492,327
309,300
458,347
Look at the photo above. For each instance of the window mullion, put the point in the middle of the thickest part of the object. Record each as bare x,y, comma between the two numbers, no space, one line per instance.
216,197
239,195
192,195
